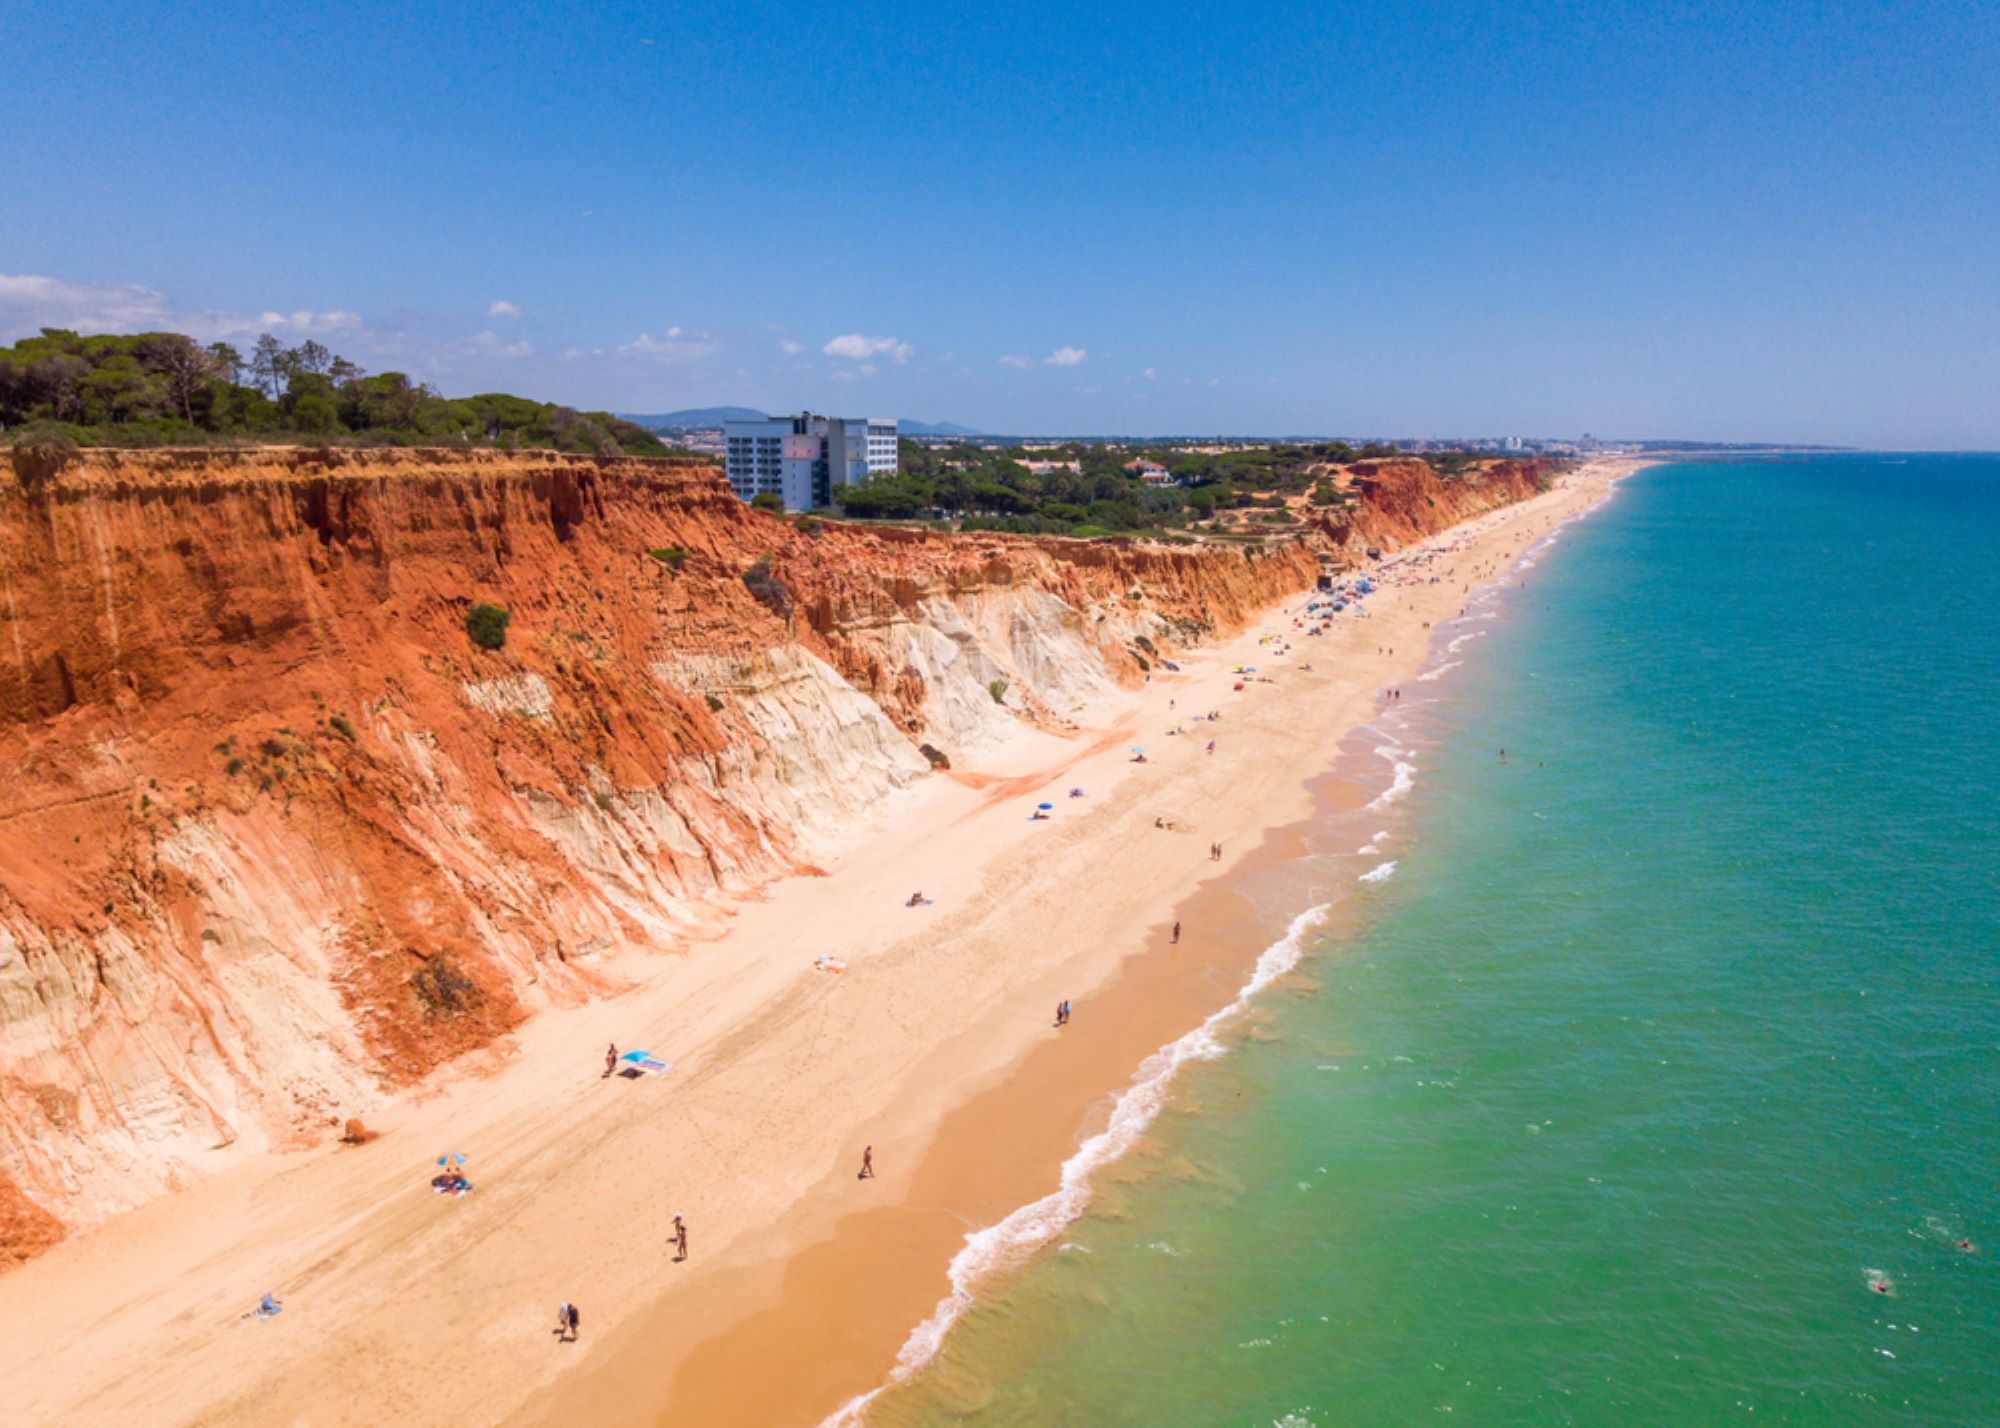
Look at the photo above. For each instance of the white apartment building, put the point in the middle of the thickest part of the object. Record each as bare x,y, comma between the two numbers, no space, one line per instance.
800,459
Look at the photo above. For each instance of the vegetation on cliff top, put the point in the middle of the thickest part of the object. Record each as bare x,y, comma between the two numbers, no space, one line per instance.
166,389
1081,488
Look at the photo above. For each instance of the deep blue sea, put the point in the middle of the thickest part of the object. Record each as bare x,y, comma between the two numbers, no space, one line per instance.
1660,1082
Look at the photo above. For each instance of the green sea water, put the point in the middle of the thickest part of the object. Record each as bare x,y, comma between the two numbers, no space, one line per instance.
1664,1043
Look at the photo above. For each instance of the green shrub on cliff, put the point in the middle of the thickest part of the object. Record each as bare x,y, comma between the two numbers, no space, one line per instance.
486,625
763,583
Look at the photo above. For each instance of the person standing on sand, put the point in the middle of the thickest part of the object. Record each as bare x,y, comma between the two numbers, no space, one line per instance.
867,1163
680,1239
1177,934
611,1059
575,1319
562,1321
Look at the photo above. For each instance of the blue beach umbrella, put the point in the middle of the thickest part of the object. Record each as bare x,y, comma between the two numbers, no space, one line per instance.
1045,806
451,1157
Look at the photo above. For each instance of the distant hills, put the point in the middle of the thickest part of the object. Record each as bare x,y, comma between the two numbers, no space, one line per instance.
716,416
692,417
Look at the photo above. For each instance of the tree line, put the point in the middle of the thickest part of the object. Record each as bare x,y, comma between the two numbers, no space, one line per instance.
164,388
995,490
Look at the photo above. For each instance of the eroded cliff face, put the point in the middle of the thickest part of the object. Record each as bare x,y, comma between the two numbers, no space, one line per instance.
277,840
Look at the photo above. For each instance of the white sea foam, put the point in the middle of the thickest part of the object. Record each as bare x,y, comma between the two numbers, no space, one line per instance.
1013,1239
1380,873
1463,640
1430,675
1404,781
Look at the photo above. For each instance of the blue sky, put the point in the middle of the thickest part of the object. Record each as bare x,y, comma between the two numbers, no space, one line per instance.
1753,220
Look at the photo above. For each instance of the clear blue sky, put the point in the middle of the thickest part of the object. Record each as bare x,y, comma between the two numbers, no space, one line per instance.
1749,220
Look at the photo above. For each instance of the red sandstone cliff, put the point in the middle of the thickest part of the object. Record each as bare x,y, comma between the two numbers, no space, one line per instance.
277,839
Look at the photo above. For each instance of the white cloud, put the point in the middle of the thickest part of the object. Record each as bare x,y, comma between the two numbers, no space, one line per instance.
672,346
491,344
304,322
791,348
1215,381
29,303
1020,362
1149,374
1066,357
856,346
500,307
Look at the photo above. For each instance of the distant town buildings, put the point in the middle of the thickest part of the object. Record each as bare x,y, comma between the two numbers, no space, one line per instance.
800,459
1151,472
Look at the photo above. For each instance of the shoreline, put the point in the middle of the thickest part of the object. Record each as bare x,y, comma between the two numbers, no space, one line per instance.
405,1306
851,1312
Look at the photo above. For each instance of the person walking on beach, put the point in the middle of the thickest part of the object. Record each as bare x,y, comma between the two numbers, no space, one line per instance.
680,1239
611,1059
574,1320
867,1163
563,1311
1177,934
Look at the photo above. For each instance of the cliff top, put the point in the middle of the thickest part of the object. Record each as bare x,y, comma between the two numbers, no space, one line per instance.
126,468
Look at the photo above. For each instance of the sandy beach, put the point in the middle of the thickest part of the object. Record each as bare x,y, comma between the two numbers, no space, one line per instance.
934,1045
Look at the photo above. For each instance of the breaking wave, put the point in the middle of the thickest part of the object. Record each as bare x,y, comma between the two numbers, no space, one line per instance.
1404,781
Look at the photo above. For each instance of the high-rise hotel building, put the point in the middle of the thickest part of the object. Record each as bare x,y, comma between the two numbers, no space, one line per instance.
800,459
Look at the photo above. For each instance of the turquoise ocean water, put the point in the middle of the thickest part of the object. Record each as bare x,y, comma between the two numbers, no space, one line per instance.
1666,1040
